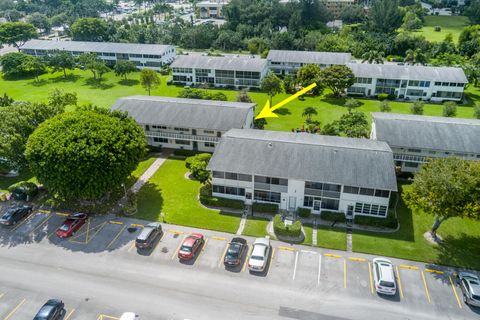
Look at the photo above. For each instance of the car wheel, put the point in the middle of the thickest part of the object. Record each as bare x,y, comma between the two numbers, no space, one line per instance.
465,299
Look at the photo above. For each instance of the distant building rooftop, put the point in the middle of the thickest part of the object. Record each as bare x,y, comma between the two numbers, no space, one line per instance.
312,57
230,62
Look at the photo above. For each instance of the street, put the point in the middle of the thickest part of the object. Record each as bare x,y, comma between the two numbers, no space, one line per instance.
99,275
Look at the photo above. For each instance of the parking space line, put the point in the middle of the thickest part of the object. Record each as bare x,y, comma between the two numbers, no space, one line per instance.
115,222
270,262
295,266
344,273
455,292
115,238
15,309
434,271
319,268
41,224
1,295
357,259
104,316
69,314
62,214
175,231
136,225
178,248
426,288
222,258
219,238
97,229
44,211
286,248
30,217
332,255
408,267
131,246
371,277
399,283
246,259
203,248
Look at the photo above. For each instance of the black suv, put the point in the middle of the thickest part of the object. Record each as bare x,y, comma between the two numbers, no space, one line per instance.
14,215
235,252
52,310
149,234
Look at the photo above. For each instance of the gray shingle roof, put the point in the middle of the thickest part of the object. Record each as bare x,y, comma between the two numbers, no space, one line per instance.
85,46
348,161
241,63
408,72
313,57
186,113
423,132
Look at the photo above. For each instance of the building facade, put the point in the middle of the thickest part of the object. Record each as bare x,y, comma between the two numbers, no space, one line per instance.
211,9
304,170
408,82
416,139
227,71
189,124
284,62
152,56
337,6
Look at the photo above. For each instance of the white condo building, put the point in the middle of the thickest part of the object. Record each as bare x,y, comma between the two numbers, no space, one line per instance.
416,139
152,56
353,176
190,124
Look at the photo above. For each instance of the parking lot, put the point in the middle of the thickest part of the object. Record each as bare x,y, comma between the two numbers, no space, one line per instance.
302,268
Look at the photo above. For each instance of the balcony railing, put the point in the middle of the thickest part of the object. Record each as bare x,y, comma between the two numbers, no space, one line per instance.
181,136
409,158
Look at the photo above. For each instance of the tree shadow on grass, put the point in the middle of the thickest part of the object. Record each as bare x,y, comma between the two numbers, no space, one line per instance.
128,82
336,101
462,250
95,84
150,203
38,83
69,78
283,111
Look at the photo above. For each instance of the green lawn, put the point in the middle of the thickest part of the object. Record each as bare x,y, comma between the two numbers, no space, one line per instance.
25,175
256,227
170,192
461,245
141,168
113,88
449,24
331,238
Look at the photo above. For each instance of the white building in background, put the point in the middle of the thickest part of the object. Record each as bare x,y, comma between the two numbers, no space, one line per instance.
408,81
211,9
416,139
190,124
289,61
226,71
152,56
354,176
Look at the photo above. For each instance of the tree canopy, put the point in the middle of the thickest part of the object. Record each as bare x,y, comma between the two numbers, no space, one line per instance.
272,85
337,78
149,79
85,154
16,33
89,29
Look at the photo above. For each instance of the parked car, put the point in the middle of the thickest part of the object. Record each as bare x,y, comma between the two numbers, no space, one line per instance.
71,225
235,251
13,215
52,310
470,286
129,316
149,234
260,252
384,276
190,246
25,192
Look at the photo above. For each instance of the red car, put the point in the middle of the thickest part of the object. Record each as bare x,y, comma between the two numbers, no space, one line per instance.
71,225
190,246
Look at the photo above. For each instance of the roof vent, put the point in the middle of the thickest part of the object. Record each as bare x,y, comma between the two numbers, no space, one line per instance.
270,145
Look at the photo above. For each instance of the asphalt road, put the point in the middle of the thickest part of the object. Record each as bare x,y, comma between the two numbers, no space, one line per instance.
99,275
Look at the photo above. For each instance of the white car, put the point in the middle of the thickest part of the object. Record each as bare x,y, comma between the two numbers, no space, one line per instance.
384,276
258,259
129,316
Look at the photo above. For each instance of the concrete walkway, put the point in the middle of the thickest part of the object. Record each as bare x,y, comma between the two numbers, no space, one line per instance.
149,173
246,212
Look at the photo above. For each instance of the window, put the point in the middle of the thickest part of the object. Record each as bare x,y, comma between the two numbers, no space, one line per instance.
208,131
308,201
266,196
415,93
209,144
415,150
382,193
268,180
159,127
228,190
218,189
449,94
162,140
224,74
181,129
367,191
218,174
332,187
184,142
363,80
366,208
370,209
411,164
244,177
330,204
352,190
230,176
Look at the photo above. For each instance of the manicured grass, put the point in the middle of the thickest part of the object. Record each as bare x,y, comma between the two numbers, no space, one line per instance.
461,245
141,168
170,192
449,24
331,238
256,227
308,234
6,182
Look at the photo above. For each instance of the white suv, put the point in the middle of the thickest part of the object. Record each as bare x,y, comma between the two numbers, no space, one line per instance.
258,259
384,276
129,316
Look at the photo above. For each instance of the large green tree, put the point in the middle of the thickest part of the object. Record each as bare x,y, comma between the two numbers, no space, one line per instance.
13,63
473,11
353,124
85,154
124,67
272,85
40,21
337,78
446,188
93,63
89,29
309,74
61,61
149,79
16,33
385,16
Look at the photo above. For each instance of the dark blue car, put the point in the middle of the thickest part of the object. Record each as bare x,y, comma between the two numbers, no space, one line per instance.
52,310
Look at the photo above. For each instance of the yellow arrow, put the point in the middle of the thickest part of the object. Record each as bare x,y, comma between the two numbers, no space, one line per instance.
267,112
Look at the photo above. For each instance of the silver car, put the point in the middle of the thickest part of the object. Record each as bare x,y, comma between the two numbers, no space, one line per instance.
384,277
470,285
258,259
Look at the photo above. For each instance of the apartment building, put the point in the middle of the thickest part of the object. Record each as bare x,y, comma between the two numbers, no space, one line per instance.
211,9
416,139
189,124
152,56
408,82
226,71
354,176
289,61
337,6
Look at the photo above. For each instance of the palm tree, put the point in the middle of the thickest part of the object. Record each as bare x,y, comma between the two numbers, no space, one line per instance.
373,56
414,57
308,112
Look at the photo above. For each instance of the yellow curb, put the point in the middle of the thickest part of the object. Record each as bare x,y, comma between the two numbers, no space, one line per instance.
219,238
286,248
62,214
332,255
115,222
434,271
408,267
44,211
137,225
357,259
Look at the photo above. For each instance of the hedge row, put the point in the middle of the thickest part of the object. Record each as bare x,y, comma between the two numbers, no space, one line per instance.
30,188
294,230
265,207
389,222
221,202
332,216
186,153
304,212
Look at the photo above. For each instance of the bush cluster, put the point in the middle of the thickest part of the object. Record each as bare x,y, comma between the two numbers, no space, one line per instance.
389,222
221,202
265,207
193,93
304,212
294,230
332,216
29,187
185,153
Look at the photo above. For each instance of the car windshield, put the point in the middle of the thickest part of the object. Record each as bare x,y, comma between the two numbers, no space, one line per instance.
185,248
257,258
45,311
64,227
387,284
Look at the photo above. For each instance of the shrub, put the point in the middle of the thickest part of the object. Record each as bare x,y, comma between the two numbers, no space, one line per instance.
219,96
417,108
382,96
221,202
389,222
304,212
332,216
185,153
29,187
449,109
265,207
476,111
385,106
204,157
437,28
294,230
